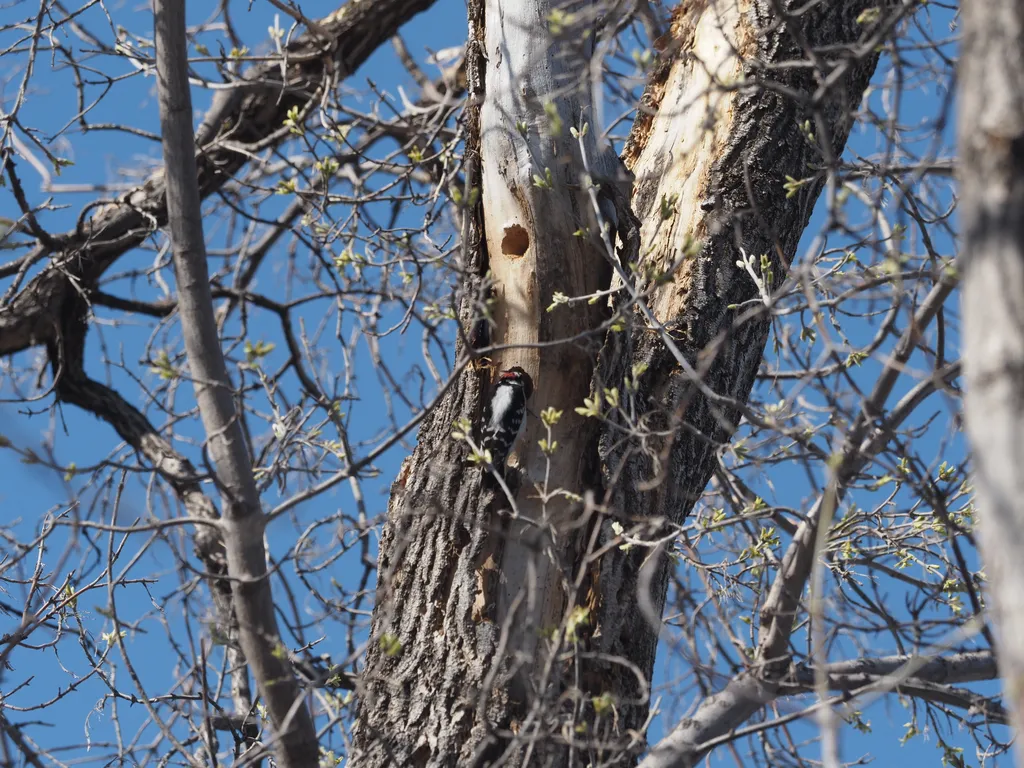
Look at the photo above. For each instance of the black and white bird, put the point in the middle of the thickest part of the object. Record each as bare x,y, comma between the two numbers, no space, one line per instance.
506,414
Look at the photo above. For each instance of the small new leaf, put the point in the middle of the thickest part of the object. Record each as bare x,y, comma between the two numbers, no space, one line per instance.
578,617
591,406
550,416
557,298
111,637
260,349
293,122
603,703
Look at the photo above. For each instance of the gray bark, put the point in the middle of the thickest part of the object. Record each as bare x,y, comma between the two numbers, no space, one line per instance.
239,121
928,679
447,586
991,138
466,590
730,202
294,736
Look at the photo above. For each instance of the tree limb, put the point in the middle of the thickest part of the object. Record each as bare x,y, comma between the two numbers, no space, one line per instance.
243,520
707,161
747,693
250,114
931,680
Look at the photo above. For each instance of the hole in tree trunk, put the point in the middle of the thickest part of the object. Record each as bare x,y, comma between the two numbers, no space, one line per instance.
515,242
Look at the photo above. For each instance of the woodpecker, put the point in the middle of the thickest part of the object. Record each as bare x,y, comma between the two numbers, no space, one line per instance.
506,414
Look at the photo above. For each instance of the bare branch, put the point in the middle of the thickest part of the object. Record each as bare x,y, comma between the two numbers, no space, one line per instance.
243,521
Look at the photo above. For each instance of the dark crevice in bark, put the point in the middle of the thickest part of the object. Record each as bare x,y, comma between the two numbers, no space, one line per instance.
662,479
437,573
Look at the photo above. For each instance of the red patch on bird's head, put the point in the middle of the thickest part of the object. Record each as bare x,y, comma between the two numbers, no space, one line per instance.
518,374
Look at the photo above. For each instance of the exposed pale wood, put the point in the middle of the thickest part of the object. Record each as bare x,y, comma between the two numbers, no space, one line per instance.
455,571
723,155
534,254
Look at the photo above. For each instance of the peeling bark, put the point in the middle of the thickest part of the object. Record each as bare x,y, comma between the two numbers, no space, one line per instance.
719,156
467,585
721,131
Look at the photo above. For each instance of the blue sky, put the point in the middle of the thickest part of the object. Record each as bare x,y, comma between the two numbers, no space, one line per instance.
80,439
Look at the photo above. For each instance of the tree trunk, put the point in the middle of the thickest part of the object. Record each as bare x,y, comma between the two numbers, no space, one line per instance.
457,667
991,204
710,167
468,586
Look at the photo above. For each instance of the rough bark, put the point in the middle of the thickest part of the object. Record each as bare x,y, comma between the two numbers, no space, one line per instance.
720,156
466,584
294,736
991,120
